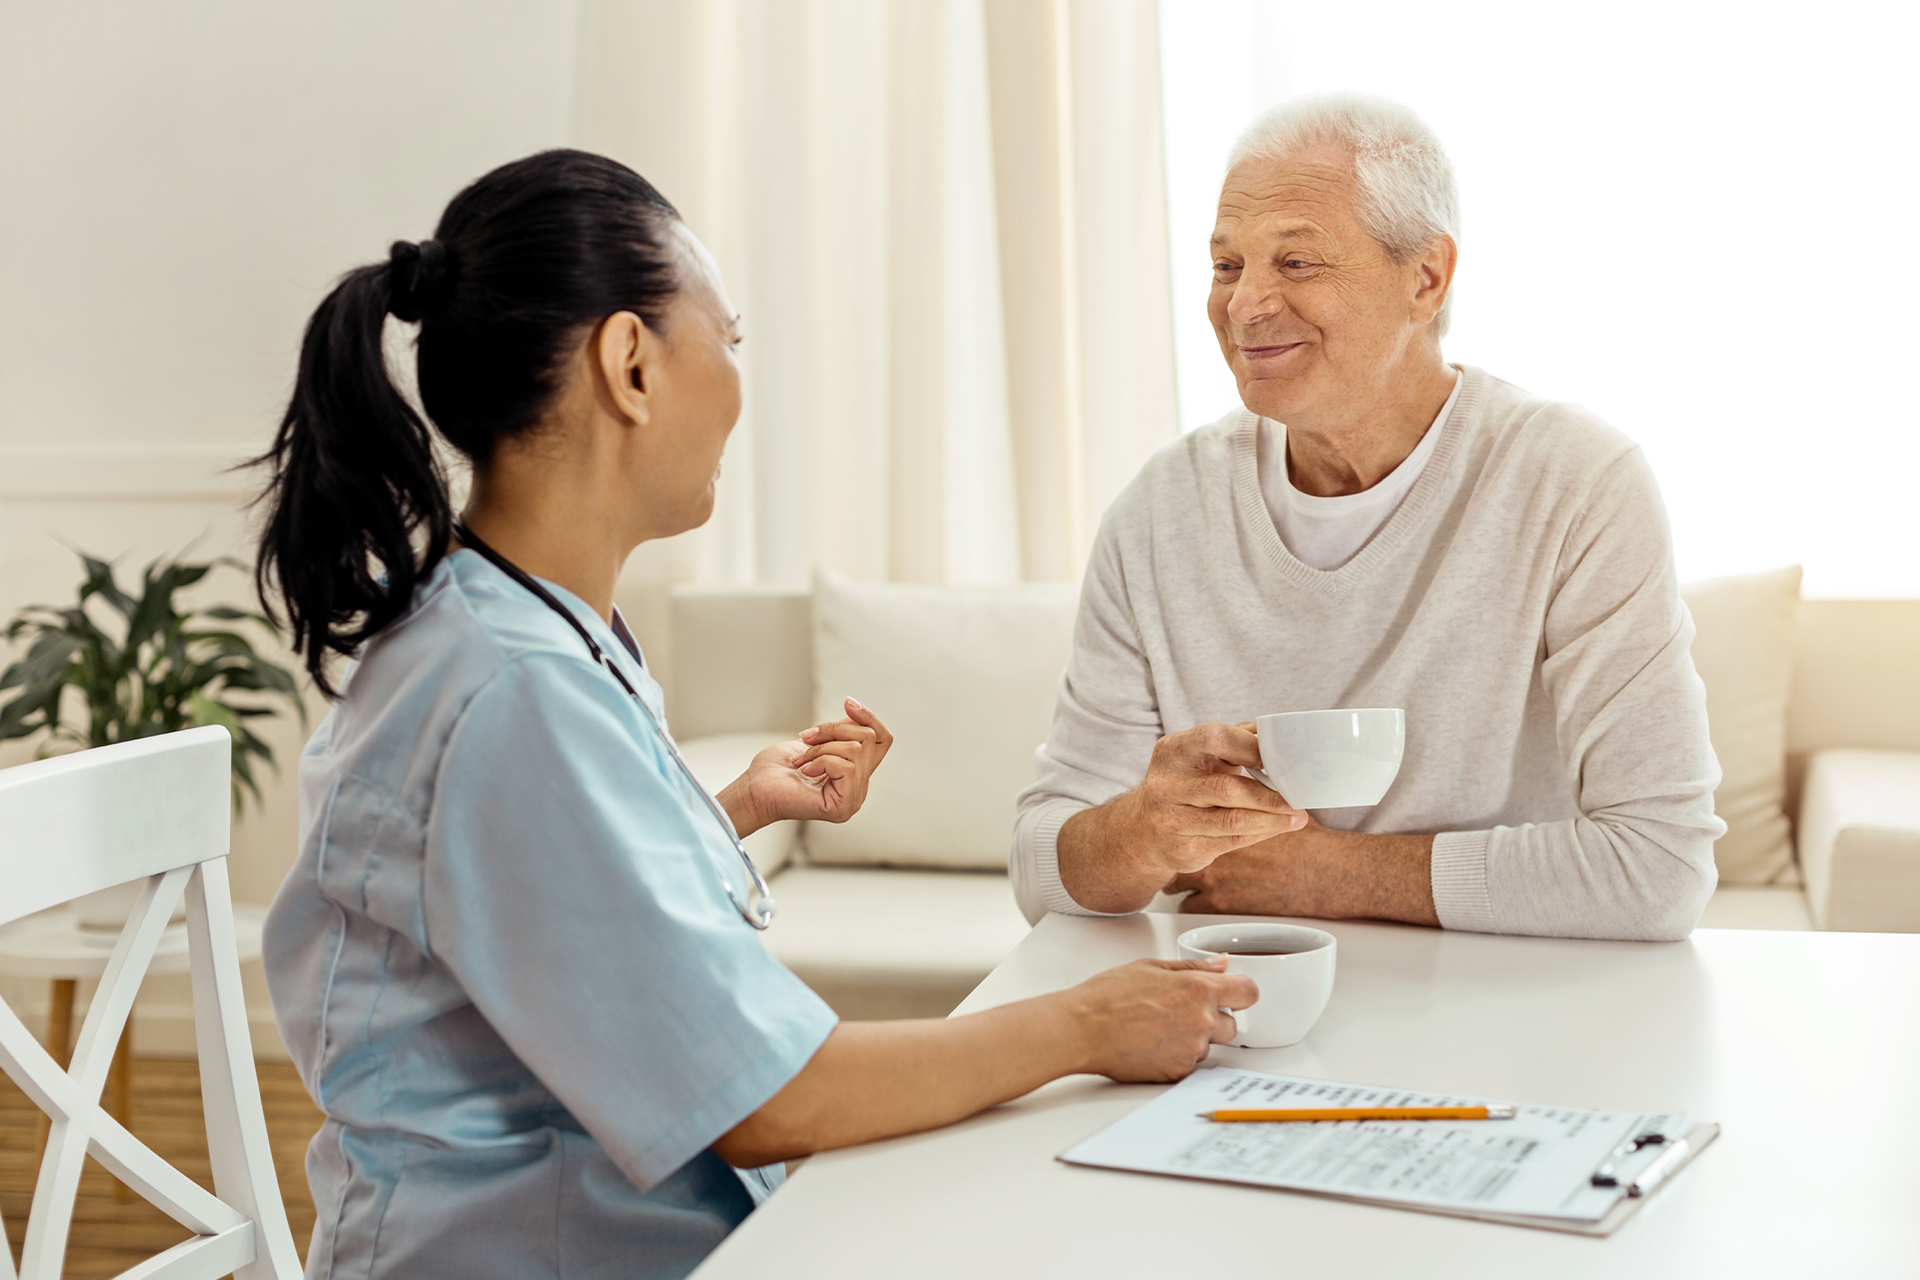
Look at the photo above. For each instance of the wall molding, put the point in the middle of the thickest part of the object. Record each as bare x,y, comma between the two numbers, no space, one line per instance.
170,474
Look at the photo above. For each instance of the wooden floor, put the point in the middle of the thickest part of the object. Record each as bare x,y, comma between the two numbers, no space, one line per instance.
111,1234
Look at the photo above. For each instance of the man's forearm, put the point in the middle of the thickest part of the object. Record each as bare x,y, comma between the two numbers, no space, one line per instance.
1373,877
1320,872
1100,867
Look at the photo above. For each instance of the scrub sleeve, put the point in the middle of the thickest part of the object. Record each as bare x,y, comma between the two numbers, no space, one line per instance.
581,909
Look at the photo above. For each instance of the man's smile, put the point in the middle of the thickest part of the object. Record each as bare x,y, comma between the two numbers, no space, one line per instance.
1269,351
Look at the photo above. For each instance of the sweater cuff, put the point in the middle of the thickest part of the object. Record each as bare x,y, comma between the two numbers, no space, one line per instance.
1046,861
1460,881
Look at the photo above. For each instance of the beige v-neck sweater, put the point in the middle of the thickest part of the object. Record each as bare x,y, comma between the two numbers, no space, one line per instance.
1521,605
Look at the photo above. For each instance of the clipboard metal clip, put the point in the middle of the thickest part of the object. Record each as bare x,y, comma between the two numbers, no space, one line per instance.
1663,1164
1604,1176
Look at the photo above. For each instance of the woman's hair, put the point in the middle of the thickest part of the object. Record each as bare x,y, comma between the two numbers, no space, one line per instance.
523,261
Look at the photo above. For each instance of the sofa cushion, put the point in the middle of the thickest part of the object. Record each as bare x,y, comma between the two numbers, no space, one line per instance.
965,677
1757,906
718,760
1860,840
893,944
1744,654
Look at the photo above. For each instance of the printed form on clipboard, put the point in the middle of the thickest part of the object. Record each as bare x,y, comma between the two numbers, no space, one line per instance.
1554,1167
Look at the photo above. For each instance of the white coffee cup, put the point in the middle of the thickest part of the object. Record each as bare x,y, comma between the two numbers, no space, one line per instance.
1291,964
1332,759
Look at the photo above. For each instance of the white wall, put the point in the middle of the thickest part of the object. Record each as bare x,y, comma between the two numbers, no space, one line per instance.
179,184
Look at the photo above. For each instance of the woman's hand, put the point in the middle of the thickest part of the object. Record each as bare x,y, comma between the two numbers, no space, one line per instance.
820,776
1156,1020
1149,1020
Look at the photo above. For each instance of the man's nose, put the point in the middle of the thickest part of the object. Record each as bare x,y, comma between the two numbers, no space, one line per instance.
1256,297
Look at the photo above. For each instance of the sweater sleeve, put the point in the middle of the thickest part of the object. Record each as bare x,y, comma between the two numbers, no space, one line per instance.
1105,723
1631,725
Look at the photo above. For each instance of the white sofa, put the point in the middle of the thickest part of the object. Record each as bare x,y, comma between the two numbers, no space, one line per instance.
1815,706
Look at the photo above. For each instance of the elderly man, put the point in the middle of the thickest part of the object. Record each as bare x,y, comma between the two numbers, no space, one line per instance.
1377,529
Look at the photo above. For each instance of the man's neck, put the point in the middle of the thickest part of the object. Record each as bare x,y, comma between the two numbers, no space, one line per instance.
1352,453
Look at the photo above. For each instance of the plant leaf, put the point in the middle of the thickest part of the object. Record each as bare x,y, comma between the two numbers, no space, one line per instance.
163,670
100,582
203,711
48,658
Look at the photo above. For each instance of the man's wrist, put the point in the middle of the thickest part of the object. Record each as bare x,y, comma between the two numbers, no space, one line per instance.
1101,855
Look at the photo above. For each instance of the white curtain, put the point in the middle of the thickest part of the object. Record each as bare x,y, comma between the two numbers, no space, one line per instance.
944,222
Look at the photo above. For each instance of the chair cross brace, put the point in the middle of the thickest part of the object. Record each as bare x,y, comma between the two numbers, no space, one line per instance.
225,1239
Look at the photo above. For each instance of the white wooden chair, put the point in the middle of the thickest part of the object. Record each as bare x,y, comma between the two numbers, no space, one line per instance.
157,808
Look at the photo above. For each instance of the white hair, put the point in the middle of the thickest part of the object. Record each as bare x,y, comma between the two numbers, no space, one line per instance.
1402,177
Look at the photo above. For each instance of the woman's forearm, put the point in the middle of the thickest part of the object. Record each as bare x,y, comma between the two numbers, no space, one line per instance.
736,800
877,1079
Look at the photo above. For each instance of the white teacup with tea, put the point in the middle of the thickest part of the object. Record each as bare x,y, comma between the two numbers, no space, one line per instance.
1291,964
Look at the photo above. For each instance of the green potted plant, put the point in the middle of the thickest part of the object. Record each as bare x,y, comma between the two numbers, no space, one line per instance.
116,666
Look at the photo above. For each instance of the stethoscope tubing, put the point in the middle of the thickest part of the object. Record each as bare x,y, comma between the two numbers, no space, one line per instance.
760,914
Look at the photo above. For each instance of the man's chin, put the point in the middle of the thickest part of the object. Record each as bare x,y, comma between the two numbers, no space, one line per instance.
1275,398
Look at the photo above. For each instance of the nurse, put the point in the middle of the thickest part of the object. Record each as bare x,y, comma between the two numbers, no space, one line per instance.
517,961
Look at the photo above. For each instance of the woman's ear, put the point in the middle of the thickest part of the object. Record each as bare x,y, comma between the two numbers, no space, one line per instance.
627,357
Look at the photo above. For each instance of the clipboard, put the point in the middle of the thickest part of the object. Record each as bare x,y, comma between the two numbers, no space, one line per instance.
1560,1169
1696,1138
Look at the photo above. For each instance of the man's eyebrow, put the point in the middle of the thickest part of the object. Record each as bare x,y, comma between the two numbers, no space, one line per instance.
1287,231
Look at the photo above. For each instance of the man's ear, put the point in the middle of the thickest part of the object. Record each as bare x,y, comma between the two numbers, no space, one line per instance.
1433,277
627,358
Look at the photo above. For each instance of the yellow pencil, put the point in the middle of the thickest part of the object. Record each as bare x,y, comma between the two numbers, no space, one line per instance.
1496,1112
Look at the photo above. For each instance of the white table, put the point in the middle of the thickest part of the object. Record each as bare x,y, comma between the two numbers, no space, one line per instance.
1760,1031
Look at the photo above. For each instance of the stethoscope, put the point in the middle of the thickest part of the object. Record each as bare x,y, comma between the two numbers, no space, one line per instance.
760,914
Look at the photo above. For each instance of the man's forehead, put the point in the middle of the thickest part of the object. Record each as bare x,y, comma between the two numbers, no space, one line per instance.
1304,193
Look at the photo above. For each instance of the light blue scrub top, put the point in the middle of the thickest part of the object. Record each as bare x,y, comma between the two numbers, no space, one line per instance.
505,965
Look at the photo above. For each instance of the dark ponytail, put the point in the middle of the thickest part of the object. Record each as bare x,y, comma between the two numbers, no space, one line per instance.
523,262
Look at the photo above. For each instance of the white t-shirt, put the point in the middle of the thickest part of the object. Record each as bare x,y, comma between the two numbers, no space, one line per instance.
1325,533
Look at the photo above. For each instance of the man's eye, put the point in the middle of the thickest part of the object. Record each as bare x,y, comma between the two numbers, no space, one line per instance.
1223,266
1296,263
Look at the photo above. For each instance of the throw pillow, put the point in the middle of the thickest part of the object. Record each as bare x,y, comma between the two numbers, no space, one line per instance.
1743,651
965,677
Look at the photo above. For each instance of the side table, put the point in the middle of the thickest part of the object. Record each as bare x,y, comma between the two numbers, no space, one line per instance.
54,946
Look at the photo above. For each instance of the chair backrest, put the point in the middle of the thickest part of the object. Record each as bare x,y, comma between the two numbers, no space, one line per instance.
159,809
82,822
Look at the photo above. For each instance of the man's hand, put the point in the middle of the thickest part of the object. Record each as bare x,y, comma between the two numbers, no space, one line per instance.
1194,806
1316,871
822,775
